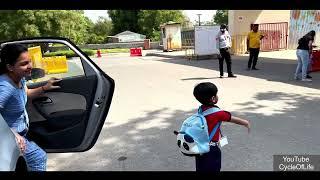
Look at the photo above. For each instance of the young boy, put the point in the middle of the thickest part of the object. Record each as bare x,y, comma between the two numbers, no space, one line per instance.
206,94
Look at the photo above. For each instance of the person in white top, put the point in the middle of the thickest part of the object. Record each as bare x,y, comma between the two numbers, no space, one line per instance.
223,40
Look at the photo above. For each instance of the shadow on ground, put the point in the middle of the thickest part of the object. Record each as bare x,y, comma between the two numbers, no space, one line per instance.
147,143
134,146
290,126
271,69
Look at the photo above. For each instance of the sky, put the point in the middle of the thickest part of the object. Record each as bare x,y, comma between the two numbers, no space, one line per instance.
192,14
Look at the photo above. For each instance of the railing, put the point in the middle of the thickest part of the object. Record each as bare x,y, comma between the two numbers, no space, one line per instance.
187,38
239,44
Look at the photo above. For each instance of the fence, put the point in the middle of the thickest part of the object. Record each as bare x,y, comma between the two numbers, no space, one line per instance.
187,38
239,44
276,36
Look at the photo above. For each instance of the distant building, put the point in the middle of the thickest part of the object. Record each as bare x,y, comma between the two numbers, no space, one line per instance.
171,36
282,28
126,36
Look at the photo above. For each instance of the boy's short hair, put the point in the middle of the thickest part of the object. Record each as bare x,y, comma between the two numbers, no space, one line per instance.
203,92
223,26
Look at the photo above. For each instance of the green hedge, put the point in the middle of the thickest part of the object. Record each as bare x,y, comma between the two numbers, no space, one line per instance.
69,53
117,50
89,52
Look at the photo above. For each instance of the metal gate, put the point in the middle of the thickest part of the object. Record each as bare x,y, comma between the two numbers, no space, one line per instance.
276,36
187,38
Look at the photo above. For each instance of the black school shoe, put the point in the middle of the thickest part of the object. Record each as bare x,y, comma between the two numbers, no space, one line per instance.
232,76
309,77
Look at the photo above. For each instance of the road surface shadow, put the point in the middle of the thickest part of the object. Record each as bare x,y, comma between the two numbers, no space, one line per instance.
147,143
271,69
199,78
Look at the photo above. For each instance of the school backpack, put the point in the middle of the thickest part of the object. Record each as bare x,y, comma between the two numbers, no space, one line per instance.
193,138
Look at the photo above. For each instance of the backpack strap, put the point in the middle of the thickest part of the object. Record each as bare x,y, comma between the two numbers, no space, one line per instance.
213,132
211,111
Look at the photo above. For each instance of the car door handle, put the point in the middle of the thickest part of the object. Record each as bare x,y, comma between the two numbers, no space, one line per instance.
99,101
45,100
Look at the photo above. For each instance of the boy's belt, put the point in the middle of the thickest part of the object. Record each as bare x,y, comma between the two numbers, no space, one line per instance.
213,143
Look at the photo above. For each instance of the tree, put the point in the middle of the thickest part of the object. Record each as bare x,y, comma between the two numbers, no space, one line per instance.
102,27
221,17
17,24
145,22
124,20
150,21
100,30
28,23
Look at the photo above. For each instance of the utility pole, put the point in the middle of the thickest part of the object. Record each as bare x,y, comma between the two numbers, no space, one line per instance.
199,18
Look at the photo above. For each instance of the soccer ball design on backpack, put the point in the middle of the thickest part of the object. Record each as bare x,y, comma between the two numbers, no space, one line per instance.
193,137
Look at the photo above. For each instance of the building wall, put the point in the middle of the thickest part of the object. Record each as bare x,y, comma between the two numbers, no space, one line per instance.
239,26
303,21
173,36
131,38
240,20
272,16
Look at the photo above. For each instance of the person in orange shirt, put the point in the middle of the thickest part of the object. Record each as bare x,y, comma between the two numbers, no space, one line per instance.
253,46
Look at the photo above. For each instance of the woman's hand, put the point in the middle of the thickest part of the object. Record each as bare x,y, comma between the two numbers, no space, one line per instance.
50,86
21,142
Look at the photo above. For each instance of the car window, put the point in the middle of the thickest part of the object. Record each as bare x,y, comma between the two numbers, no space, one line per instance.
56,59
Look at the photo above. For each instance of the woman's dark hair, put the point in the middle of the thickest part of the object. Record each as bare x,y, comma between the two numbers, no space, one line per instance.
203,92
9,55
312,33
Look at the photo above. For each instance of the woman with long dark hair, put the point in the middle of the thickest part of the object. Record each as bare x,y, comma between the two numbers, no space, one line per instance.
304,51
15,65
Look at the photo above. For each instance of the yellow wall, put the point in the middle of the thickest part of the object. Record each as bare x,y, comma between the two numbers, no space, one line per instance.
173,32
272,16
242,27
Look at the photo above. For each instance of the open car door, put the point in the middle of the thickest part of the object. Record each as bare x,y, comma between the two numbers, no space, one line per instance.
68,119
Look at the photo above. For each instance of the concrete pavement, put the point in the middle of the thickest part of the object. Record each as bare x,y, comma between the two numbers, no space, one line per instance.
153,96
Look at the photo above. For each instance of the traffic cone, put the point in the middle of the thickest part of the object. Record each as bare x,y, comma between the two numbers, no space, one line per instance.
98,53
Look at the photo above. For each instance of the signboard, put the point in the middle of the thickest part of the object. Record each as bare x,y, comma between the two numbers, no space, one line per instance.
205,40
240,18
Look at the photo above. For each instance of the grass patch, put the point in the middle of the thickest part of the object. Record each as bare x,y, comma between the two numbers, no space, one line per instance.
69,53
89,52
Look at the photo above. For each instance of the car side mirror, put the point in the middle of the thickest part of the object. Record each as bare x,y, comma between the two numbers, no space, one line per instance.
36,73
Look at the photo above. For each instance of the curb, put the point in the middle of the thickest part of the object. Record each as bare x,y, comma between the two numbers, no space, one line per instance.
166,56
208,57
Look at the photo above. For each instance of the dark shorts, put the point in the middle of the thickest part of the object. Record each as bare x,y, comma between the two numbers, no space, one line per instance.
209,162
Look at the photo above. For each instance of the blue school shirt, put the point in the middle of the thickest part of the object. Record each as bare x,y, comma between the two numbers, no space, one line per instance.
13,104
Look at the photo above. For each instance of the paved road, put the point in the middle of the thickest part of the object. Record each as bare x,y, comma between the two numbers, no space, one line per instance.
153,96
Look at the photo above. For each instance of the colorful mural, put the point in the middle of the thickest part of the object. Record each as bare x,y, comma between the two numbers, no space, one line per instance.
301,22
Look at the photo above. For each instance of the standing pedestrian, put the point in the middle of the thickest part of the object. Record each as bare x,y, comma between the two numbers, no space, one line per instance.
304,51
253,45
223,40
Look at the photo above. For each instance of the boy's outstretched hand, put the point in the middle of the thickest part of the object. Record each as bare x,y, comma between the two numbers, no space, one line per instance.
242,122
248,126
